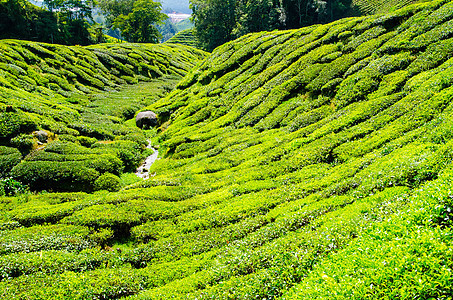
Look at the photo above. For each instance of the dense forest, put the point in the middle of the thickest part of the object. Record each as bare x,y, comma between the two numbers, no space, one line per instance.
70,22
22,20
219,21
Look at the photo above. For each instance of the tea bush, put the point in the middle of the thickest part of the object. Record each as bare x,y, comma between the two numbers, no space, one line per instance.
9,157
309,163
107,181
185,37
11,187
55,176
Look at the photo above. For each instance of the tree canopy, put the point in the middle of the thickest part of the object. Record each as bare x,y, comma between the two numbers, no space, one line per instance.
135,18
219,21
64,21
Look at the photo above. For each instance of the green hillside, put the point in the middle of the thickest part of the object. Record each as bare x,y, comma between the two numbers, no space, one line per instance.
67,92
380,6
304,164
185,37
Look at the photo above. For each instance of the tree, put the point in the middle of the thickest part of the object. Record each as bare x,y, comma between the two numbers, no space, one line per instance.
259,15
72,17
214,21
136,21
219,21
114,8
300,13
22,20
14,18
331,10
71,9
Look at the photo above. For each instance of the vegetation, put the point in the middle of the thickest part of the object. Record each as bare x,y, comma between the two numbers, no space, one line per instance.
135,18
185,37
219,21
379,6
67,93
65,22
169,29
303,164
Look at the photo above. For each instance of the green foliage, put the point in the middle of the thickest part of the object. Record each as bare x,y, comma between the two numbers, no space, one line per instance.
185,37
38,238
11,124
68,92
9,157
379,6
23,142
64,21
301,164
128,179
135,19
11,187
219,21
55,176
108,182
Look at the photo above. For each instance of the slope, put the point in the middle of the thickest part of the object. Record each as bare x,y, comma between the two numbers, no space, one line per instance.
57,93
313,163
185,37
379,6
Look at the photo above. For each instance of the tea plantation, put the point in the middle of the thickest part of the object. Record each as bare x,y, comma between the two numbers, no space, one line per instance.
185,37
306,164
380,6
73,103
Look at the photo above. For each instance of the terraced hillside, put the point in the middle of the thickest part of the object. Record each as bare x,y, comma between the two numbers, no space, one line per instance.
305,164
66,93
185,37
379,6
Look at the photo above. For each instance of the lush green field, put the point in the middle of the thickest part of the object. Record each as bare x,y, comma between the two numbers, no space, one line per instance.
305,164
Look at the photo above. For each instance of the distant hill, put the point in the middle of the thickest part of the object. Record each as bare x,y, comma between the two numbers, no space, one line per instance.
185,37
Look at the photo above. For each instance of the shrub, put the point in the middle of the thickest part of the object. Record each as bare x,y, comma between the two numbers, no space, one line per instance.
15,123
23,142
9,157
108,182
55,176
38,238
11,187
86,141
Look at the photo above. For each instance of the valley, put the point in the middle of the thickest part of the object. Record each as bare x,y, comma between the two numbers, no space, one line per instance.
313,163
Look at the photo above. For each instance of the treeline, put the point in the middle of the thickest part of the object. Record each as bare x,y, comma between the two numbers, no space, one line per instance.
219,21
70,22
136,19
64,22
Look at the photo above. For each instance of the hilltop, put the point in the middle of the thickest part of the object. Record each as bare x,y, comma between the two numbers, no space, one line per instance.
185,37
302,164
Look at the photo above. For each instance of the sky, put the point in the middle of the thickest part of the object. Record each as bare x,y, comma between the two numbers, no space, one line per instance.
179,6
